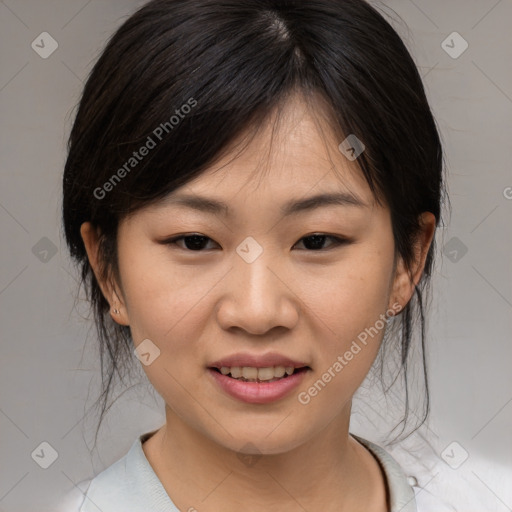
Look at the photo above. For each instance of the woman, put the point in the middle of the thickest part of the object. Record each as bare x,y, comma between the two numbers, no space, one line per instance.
252,191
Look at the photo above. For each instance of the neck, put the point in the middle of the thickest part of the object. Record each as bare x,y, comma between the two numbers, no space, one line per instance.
331,471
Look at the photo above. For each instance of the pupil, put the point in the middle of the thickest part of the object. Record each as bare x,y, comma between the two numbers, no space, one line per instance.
316,239
197,242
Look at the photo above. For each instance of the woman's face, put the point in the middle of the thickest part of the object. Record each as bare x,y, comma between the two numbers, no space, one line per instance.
256,283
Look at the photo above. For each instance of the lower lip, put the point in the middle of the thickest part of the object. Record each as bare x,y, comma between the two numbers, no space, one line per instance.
258,392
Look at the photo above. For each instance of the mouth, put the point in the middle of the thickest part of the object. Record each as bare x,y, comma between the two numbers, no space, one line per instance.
258,384
261,375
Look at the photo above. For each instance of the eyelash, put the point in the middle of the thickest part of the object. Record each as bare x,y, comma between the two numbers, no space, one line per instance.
338,241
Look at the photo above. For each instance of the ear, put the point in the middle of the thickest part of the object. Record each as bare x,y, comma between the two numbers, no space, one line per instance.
111,290
405,280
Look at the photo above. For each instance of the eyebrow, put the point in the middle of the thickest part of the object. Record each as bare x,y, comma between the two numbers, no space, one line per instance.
293,207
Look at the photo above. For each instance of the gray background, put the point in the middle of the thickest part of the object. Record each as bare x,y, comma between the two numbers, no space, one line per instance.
49,368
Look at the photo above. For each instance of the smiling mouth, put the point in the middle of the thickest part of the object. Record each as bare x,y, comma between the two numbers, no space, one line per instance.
262,375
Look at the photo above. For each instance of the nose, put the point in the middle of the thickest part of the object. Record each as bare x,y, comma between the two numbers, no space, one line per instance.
257,297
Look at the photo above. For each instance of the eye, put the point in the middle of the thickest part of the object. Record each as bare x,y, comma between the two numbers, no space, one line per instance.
197,242
194,242
316,241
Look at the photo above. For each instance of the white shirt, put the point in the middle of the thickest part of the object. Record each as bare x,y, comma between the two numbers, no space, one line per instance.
131,485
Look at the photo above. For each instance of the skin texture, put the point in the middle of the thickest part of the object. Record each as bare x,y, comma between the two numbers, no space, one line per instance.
307,304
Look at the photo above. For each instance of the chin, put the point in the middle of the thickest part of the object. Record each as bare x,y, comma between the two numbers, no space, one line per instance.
263,441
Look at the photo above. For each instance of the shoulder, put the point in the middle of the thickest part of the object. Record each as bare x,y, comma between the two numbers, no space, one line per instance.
410,486
129,484
110,486
441,487
73,500
437,486
401,494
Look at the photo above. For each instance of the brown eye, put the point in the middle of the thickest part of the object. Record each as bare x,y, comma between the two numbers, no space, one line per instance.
193,242
316,242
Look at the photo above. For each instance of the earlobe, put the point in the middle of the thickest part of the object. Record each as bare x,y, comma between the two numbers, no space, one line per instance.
91,237
117,309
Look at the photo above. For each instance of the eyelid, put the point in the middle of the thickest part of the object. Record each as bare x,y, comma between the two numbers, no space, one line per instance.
338,240
173,239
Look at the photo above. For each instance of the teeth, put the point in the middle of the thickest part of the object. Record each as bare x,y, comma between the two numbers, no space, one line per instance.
279,371
264,373
253,374
250,373
236,372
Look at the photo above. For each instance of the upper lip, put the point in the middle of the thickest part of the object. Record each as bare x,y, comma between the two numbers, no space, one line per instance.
256,361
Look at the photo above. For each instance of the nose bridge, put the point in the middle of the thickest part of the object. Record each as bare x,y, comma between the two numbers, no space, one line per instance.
252,267
256,298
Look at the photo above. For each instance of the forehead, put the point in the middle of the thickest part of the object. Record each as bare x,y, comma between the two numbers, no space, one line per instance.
293,153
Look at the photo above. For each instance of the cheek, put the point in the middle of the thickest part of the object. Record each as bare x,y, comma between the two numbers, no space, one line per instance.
348,309
351,296
349,330
169,305
157,293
